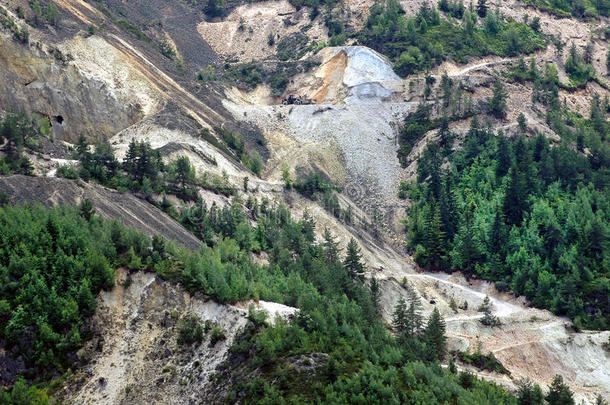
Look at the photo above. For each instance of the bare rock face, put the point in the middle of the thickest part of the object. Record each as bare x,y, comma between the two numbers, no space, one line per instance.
110,204
134,357
34,82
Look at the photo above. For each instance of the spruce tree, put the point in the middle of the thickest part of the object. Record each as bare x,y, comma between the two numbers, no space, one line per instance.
434,336
448,208
522,122
375,293
514,199
445,137
529,393
497,102
497,236
352,261
331,247
559,393
413,318
435,239
489,319
468,247
399,318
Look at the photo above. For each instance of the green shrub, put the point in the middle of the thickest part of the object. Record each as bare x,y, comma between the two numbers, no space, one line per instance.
217,335
189,331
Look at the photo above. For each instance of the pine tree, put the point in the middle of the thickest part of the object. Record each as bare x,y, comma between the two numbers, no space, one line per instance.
468,247
86,209
559,393
522,122
331,247
184,171
399,318
445,137
375,293
529,393
352,261
453,305
413,318
435,238
434,336
514,200
130,163
448,208
497,235
489,319
497,102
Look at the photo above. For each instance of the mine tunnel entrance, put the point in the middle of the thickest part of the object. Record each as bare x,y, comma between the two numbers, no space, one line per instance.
59,119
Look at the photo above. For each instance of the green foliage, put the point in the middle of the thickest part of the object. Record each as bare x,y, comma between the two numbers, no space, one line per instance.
488,318
559,393
278,74
292,46
166,49
577,68
312,184
143,170
496,104
21,394
529,393
17,132
214,8
54,263
421,42
133,29
531,217
217,335
483,361
580,8
190,331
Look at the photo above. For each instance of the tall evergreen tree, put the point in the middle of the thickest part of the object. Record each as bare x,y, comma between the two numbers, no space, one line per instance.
434,336
559,393
529,393
468,247
497,102
399,317
413,318
503,156
515,198
482,8
435,238
375,293
352,262
448,208
331,247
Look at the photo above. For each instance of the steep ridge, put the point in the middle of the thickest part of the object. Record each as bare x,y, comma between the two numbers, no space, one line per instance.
134,356
110,204
350,134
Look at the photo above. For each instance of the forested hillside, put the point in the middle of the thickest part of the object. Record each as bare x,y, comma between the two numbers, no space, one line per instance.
304,201
531,216
56,261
